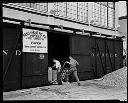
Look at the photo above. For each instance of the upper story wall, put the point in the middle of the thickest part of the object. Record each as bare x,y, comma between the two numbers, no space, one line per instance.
98,24
123,26
122,11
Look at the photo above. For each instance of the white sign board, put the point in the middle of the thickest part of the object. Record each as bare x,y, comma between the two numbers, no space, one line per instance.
34,41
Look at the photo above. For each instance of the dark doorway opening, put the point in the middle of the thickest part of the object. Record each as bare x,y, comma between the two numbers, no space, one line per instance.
58,47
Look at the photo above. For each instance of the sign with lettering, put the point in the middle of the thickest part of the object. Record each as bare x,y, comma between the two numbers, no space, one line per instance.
34,41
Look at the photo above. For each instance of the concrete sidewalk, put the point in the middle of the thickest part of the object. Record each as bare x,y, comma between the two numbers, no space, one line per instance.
88,90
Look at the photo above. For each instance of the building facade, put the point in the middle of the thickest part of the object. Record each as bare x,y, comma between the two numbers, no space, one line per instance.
86,30
101,16
123,24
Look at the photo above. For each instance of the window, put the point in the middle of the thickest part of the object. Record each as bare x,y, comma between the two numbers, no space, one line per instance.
82,11
60,7
104,14
72,10
37,6
96,13
111,16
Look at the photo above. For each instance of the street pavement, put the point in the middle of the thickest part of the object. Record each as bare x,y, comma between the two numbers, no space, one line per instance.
88,90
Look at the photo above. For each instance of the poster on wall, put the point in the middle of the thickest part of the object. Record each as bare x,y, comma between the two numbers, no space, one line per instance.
34,41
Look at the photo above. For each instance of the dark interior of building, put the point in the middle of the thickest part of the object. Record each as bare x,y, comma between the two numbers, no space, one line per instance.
58,47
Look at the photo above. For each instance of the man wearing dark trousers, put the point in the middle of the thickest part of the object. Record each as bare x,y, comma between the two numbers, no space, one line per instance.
73,69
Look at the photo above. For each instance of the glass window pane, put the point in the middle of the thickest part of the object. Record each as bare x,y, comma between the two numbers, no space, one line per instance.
103,14
60,8
111,4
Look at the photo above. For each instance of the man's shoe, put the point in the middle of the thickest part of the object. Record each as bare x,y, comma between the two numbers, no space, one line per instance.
78,84
67,83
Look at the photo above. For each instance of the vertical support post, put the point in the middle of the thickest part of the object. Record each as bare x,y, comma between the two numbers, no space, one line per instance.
66,9
77,10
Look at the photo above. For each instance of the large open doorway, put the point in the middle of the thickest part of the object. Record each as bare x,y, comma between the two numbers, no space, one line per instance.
58,47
